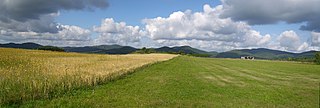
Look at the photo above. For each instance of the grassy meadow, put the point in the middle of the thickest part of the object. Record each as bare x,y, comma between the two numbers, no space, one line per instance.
202,82
32,78
32,74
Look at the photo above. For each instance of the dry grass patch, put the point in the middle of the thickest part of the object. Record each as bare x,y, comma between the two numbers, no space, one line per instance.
31,74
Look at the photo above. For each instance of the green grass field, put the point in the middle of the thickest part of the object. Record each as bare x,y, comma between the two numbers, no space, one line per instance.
203,82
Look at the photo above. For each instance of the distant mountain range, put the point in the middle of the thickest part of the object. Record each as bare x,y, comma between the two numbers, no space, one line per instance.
28,45
102,49
185,49
263,53
260,53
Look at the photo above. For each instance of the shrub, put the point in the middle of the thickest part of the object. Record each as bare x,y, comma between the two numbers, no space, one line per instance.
200,55
317,56
51,48
145,50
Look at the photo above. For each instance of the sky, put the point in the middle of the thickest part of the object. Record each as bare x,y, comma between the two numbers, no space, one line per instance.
211,25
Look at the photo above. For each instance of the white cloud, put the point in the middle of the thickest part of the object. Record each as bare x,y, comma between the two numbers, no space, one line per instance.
38,15
205,30
201,44
315,39
290,41
67,36
34,21
111,32
303,47
189,27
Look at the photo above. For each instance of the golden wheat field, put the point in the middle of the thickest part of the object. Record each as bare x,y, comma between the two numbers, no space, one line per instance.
33,74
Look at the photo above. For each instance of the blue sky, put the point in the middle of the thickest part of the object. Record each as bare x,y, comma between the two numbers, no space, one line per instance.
132,11
212,25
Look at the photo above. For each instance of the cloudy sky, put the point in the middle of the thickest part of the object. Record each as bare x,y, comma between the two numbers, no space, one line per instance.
211,25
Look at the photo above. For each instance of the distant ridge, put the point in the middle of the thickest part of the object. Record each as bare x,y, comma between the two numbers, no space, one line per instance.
259,53
102,49
28,45
184,49
263,53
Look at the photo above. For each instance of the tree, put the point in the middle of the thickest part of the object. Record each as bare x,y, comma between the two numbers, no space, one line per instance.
51,48
181,52
145,50
317,56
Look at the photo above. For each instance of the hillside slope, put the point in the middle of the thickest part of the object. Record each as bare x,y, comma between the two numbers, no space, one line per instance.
102,49
28,45
262,53
185,50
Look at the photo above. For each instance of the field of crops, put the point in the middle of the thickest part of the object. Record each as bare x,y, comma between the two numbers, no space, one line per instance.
203,82
30,74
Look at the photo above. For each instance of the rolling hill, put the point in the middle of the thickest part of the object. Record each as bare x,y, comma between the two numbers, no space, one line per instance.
184,49
114,49
102,49
28,45
260,53
121,50
263,53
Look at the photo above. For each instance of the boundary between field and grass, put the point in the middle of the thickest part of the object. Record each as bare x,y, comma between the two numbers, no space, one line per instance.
122,74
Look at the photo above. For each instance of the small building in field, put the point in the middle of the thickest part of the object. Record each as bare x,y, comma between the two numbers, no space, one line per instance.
247,57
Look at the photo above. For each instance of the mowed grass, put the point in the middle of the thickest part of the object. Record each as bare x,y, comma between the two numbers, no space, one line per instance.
202,82
31,74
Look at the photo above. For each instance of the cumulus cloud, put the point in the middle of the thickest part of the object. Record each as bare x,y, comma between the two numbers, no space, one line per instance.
315,39
111,32
189,27
272,11
206,30
38,15
67,36
201,44
290,41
